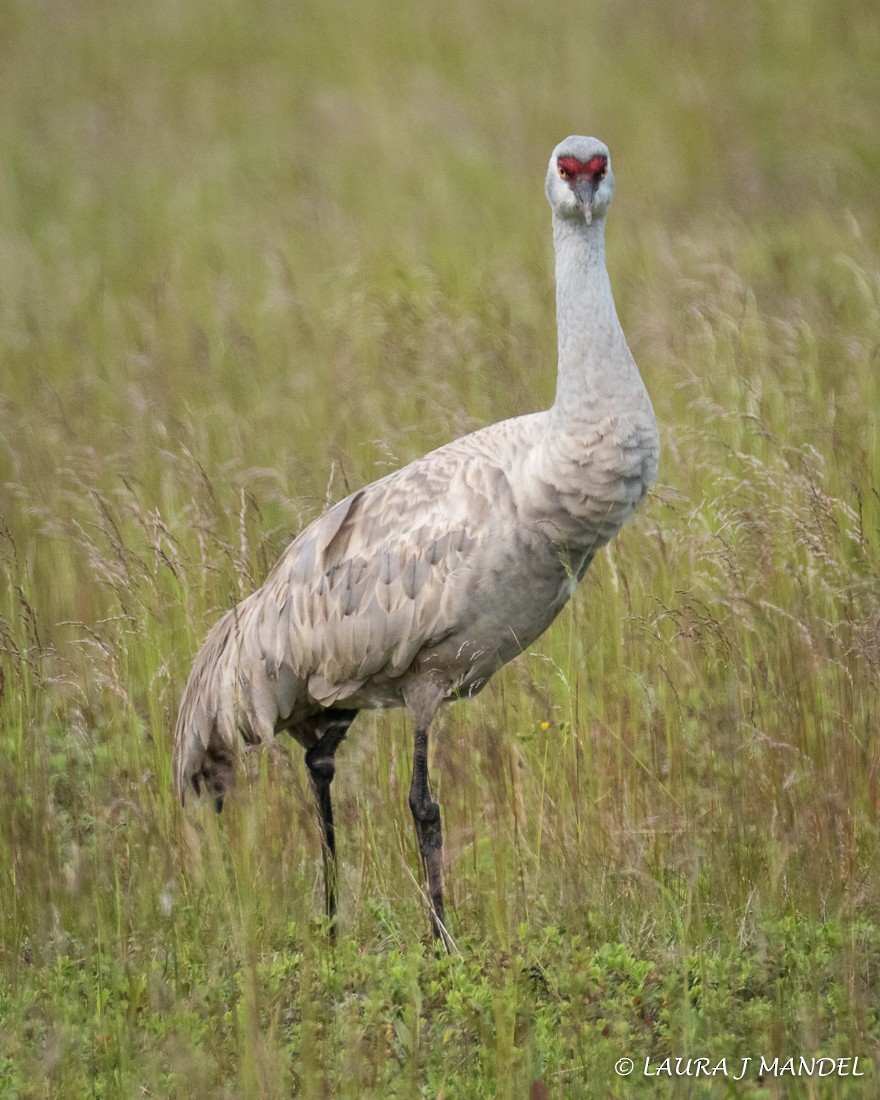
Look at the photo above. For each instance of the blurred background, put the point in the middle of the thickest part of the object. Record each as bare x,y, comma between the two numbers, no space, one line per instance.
252,256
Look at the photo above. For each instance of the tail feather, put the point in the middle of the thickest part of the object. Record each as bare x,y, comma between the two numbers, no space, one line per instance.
205,739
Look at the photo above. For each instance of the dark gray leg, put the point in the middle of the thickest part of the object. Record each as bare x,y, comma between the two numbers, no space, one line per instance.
322,767
426,814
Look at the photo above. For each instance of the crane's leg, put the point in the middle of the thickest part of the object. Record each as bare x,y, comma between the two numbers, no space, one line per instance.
426,815
320,760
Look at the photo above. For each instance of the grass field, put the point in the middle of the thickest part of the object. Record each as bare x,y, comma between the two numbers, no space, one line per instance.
251,257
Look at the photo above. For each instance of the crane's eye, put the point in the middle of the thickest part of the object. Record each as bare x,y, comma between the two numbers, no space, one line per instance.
563,172
603,172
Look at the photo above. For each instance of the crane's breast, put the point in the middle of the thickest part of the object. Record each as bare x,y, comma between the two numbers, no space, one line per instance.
583,487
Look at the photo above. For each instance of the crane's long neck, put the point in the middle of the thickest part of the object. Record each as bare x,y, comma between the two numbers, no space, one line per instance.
596,369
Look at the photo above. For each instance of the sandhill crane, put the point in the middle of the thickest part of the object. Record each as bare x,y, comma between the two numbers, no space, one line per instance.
414,590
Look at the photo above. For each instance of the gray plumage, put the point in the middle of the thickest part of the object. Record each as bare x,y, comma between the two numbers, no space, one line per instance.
417,588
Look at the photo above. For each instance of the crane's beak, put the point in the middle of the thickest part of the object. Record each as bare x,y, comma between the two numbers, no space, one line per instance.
585,192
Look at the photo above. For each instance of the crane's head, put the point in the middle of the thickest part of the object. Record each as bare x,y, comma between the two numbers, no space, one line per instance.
579,180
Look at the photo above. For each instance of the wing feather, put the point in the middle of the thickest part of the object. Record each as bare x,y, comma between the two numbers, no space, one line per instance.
381,573
391,570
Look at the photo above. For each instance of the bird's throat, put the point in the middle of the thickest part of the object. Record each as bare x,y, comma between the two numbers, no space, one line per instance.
595,364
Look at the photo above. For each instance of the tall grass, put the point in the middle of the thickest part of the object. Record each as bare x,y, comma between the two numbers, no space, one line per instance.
252,256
